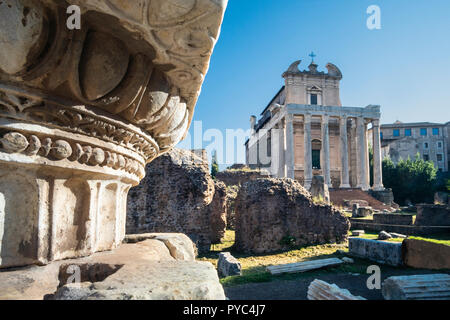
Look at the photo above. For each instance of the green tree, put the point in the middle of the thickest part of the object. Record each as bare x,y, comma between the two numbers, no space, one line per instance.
412,180
214,165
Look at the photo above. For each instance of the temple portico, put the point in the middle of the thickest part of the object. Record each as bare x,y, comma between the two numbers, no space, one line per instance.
307,139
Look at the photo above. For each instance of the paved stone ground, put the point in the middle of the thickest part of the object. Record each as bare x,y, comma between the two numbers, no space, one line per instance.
297,289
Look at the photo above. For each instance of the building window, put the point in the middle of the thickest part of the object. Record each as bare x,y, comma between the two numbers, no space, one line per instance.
423,131
439,144
425,145
426,157
439,157
408,133
381,135
313,98
435,131
396,132
316,159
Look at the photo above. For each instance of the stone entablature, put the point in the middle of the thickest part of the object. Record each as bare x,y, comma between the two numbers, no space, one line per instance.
83,111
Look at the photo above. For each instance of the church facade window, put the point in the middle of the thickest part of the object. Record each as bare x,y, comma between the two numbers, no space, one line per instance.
316,159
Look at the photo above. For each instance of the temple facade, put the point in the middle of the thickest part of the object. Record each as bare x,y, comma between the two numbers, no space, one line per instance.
305,131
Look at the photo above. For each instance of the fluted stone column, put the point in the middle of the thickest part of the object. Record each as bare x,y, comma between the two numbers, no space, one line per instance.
377,162
362,145
326,150
345,181
290,166
308,152
275,156
366,144
282,150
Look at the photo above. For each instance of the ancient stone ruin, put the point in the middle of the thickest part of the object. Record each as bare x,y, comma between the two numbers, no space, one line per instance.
82,111
179,195
276,214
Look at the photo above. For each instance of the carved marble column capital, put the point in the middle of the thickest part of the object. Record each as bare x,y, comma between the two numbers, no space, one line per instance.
83,111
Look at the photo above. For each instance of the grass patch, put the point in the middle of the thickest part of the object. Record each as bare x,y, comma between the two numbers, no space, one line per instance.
441,241
254,266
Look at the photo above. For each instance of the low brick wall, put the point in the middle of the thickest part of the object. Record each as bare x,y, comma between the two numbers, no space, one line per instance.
369,225
395,219
378,251
425,254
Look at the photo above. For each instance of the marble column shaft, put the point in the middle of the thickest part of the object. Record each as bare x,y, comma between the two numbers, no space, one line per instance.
362,145
377,162
345,181
326,150
308,152
290,165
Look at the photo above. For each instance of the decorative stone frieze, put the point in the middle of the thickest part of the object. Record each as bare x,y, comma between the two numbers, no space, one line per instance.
83,111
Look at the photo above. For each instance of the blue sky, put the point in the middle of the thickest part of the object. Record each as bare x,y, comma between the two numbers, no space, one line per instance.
404,67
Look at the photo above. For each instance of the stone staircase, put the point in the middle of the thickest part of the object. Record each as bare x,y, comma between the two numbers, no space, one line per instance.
338,196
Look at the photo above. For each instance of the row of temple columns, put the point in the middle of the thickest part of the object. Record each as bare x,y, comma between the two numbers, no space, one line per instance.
286,166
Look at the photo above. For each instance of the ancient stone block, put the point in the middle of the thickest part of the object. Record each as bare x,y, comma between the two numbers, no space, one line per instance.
228,265
304,266
320,290
393,218
357,233
82,111
319,189
275,214
417,287
238,175
383,235
232,193
379,251
425,254
178,195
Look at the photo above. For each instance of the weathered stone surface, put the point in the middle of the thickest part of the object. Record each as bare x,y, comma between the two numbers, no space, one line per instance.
218,212
321,290
179,245
143,270
319,188
304,266
228,265
441,198
178,195
357,233
425,254
238,175
361,212
417,287
83,109
232,193
348,260
383,235
379,251
397,235
432,215
167,280
274,214
394,219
